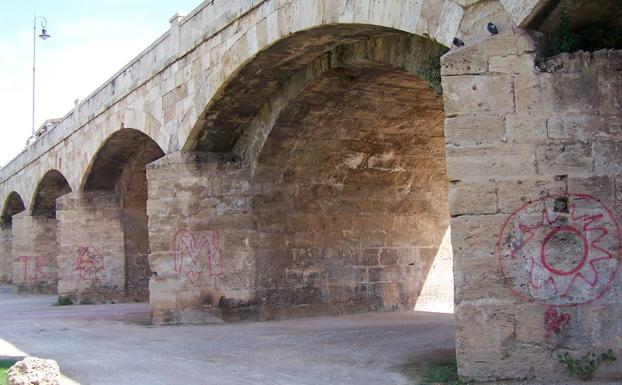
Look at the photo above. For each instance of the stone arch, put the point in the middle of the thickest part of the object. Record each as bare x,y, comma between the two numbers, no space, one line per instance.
50,187
357,204
276,89
120,166
12,205
261,85
106,168
113,194
105,129
437,20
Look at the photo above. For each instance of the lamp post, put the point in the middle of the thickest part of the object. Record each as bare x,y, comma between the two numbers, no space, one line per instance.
43,36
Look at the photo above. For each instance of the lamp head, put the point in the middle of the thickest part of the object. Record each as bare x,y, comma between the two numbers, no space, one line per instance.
44,34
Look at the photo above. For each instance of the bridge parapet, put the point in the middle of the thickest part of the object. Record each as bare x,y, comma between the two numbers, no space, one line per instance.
184,35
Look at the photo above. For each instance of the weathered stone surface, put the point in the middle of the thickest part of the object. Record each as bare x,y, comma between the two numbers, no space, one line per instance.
474,129
34,371
480,94
521,128
349,221
553,167
35,249
472,198
91,250
304,173
523,11
512,64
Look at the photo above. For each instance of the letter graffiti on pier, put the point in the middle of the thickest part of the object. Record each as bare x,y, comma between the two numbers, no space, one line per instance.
33,267
560,251
89,263
192,251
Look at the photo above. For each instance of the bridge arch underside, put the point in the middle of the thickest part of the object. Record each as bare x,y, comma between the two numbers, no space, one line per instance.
103,228
34,241
317,185
350,195
13,206
52,186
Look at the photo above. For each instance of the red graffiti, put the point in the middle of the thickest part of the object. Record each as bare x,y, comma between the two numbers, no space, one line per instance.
554,322
560,250
40,262
88,263
192,250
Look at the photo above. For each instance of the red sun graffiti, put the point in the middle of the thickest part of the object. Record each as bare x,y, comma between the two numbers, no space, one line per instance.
561,251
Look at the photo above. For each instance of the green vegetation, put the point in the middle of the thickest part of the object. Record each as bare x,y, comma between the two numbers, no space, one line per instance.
585,366
4,368
591,38
430,72
63,301
442,369
442,372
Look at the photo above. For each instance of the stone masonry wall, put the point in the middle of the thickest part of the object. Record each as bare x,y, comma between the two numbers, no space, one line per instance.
132,186
6,253
533,159
350,195
201,235
345,212
91,247
34,265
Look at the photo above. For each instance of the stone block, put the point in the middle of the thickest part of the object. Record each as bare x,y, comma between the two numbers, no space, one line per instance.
575,92
504,162
512,64
33,370
475,235
464,129
515,194
600,187
607,157
534,93
472,198
583,128
522,128
564,158
477,278
469,94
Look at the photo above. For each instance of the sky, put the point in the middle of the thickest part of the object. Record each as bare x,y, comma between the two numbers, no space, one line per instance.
90,41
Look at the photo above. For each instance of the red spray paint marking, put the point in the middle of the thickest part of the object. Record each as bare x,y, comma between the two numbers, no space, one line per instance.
191,250
554,322
89,263
532,259
40,262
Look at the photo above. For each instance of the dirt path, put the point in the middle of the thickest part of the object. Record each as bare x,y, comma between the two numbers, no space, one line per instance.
113,344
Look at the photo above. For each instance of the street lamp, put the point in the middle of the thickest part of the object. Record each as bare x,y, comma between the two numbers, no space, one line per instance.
43,36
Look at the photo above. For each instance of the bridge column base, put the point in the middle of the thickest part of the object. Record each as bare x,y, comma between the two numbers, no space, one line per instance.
34,267
91,247
201,232
6,253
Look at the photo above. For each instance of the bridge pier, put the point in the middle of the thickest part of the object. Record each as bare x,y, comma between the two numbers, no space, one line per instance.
199,216
91,247
6,253
348,173
33,241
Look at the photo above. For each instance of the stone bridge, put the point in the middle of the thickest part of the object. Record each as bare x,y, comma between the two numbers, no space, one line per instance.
278,158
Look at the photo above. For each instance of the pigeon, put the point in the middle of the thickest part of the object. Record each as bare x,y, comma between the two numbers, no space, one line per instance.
492,29
457,42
